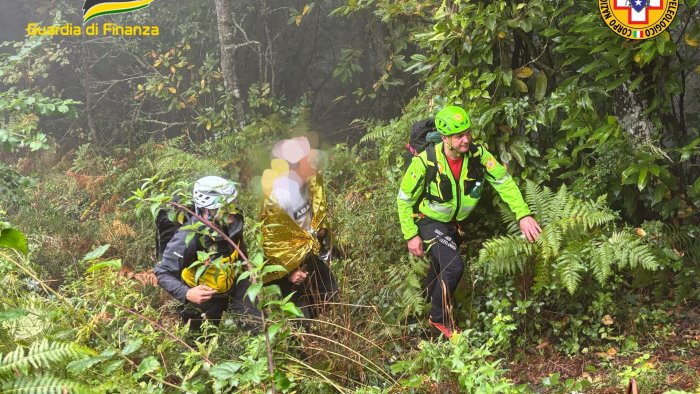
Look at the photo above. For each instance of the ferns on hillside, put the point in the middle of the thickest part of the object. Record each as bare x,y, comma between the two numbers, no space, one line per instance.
506,254
679,246
404,290
684,240
18,369
578,237
387,132
172,164
43,384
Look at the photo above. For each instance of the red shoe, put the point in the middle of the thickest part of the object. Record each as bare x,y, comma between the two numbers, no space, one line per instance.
442,328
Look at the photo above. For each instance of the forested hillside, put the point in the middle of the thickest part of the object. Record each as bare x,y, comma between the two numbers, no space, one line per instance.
601,134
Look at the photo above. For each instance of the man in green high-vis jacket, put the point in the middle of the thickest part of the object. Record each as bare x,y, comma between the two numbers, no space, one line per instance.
456,181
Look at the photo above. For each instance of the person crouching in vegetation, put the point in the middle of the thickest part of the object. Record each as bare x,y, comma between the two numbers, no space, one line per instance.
438,192
198,264
295,228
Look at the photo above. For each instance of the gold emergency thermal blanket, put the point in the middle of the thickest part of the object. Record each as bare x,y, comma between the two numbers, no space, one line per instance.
285,243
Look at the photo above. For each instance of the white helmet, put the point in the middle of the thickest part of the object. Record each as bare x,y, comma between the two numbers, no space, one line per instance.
212,192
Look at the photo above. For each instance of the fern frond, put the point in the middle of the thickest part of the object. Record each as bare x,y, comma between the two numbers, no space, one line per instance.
550,241
578,237
602,257
631,252
43,354
600,218
406,280
685,239
506,254
557,204
568,266
538,199
508,217
543,275
391,131
681,236
42,384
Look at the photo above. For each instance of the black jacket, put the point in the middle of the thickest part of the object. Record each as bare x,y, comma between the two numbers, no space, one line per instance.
178,255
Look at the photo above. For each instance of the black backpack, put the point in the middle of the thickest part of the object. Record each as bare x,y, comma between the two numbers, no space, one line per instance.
424,135
166,228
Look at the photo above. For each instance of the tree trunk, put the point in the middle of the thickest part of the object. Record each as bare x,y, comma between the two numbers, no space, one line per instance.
628,109
92,127
227,35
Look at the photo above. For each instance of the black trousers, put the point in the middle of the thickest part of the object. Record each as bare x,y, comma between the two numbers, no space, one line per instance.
446,266
235,302
319,288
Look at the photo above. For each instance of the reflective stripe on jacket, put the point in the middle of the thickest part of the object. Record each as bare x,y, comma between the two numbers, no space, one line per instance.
451,201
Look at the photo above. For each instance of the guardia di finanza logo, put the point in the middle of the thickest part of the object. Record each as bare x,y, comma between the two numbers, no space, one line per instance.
93,8
638,19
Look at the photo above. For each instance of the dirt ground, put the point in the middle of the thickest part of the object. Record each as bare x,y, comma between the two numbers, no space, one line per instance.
673,363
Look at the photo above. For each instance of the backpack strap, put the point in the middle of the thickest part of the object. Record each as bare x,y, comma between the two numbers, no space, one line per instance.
430,170
475,169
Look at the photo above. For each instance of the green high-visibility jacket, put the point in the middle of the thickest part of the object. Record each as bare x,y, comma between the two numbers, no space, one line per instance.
441,205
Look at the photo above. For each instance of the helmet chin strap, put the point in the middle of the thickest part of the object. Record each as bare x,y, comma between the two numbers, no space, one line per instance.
449,145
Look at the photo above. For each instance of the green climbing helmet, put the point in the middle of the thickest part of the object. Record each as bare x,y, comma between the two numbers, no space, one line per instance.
452,120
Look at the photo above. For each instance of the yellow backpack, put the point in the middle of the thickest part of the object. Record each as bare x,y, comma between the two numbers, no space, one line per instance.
220,277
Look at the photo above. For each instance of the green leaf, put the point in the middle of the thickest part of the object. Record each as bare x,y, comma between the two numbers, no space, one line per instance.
96,253
43,383
79,366
518,154
243,276
507,77
619,81
628,172
520,86
200,271
606,73
253,291
273,268
12,314
225,370
116,264
154,208
189,237
63,108
273,329
148,365
257,260
13,239
111,367
293,309
635,83
642,180
540,86
132,346
202,256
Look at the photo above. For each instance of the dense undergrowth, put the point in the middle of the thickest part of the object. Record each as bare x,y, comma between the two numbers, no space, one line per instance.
589,285
607,294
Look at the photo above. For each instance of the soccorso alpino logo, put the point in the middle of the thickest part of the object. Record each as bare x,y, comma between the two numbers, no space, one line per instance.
638,19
